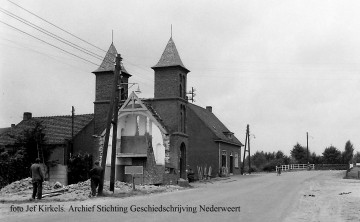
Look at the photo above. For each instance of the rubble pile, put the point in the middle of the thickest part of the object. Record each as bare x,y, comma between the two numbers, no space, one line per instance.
22,189
22,186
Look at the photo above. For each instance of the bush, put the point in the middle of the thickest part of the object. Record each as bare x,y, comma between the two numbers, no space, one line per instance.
13,168
271,166
78,168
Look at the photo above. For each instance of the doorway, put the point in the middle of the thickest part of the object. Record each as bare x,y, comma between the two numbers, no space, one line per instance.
182,161
231,164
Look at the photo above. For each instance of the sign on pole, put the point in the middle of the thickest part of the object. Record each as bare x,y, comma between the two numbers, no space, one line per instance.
133,170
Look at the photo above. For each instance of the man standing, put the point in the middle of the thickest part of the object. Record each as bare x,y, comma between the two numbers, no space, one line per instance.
95,175
37,179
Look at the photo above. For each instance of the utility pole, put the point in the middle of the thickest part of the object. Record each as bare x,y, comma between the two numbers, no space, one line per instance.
307,147
72,130
248,130
115,122
192,93
246,139
108,124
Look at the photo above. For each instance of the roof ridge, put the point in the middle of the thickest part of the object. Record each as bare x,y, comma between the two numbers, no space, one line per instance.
88,114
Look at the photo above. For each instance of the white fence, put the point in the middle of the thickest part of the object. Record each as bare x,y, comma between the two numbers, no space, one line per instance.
296,167
352,165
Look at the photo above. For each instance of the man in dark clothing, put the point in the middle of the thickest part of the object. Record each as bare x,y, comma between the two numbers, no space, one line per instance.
95,175
37,179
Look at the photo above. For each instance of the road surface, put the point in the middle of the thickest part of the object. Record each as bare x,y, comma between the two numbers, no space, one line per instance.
262,197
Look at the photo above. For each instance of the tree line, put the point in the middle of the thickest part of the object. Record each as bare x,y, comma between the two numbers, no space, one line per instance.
267,161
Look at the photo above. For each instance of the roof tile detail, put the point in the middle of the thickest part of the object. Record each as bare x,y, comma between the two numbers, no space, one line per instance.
108,63
57,129
214,124
170,56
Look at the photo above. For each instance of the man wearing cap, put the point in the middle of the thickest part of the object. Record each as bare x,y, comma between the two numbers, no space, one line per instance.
37,179
95,175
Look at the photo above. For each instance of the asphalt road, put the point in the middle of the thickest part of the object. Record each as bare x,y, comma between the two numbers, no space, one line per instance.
264,197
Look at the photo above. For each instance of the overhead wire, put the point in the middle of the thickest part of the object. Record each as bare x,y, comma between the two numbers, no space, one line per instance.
104,59
51,34
56,26
67,42
48,43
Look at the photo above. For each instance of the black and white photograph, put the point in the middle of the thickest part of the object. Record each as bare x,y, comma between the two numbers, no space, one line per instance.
166,110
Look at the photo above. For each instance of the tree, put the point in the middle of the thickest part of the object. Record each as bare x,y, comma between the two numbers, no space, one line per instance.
31,141
348,154
259,159
315,159
331,155
299,153
16,165
356,158
279,155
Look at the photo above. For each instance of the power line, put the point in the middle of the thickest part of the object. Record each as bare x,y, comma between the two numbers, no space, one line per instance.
48,43
62,39
56,26
51,34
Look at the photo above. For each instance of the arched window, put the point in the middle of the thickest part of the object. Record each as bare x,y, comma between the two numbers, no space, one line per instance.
181,90
184,84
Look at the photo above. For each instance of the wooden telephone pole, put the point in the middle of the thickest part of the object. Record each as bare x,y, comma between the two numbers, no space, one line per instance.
247,143
113,109
307,147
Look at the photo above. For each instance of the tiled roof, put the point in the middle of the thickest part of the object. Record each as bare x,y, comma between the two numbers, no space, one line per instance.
108,64
214,124
56,128
3,130
170,57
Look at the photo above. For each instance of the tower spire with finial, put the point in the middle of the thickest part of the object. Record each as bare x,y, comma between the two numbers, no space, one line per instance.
171,30
112,36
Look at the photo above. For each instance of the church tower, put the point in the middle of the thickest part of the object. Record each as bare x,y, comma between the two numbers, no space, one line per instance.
104,86
170,103
170,85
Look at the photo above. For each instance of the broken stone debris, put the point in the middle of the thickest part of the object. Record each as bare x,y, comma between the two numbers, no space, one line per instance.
80,190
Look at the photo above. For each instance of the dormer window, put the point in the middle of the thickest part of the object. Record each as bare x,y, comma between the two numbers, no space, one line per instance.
229,135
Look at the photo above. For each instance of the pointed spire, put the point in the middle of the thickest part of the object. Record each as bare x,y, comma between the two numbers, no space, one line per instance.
170,57
108,63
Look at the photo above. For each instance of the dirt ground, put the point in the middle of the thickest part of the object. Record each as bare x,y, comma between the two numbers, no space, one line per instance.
328,198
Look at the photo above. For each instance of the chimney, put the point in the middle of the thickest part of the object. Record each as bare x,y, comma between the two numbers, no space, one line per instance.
209,108
12,125
27,115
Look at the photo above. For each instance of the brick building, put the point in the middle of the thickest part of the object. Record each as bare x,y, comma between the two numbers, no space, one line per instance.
57,139
165,134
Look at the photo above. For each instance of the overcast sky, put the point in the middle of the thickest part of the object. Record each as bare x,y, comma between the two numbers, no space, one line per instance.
283,67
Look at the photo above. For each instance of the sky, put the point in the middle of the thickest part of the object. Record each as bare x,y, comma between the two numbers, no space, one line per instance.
283,67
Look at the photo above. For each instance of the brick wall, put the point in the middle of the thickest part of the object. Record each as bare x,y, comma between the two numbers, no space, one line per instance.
103,85
169,111
84,141
203,150
168,81
231,148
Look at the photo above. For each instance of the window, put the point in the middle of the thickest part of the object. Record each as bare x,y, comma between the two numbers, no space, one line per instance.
223,158
236,160
180,91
